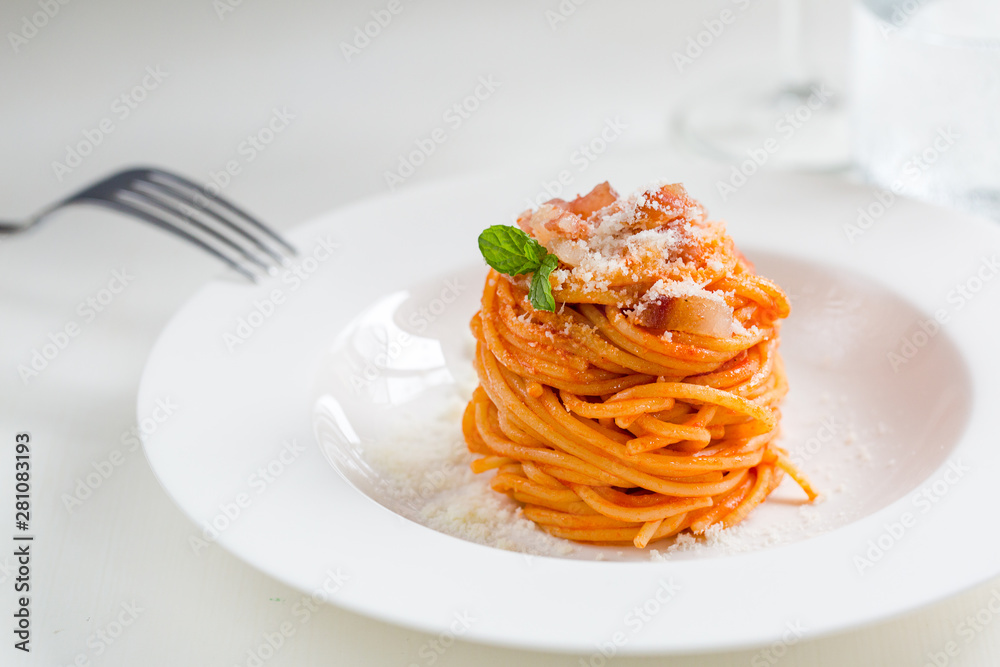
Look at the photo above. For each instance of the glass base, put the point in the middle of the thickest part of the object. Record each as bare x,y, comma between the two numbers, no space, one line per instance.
800,127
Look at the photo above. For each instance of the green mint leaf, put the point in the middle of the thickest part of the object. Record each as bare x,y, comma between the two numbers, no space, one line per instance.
509,250
541,291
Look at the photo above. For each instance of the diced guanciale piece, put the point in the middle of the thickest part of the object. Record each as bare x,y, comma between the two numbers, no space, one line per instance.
691,314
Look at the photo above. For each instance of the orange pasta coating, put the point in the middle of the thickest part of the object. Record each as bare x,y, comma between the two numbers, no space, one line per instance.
648,402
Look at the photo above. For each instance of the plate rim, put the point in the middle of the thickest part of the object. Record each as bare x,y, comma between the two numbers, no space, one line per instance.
432,625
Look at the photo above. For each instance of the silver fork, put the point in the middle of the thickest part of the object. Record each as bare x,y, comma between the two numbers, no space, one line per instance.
182,207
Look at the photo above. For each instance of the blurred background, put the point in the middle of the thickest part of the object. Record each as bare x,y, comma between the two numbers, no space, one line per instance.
292,109
359,102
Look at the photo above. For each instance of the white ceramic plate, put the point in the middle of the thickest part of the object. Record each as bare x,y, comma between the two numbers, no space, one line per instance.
902,445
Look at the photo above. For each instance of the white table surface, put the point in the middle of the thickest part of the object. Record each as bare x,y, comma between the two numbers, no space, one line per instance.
223,75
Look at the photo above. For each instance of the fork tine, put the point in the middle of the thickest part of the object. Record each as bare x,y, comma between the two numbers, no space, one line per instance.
167,201
194,190
164,211
180,205
128,209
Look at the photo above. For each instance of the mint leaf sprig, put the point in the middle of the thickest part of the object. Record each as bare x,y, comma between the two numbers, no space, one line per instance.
509,250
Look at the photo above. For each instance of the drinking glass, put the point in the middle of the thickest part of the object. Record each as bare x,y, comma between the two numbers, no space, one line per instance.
925,113
791,110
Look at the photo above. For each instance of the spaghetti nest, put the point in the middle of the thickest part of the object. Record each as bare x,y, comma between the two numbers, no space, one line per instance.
648,402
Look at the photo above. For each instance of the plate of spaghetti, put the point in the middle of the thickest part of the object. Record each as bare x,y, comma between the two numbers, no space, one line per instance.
643,399
588,421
